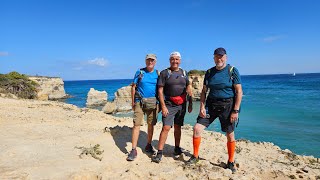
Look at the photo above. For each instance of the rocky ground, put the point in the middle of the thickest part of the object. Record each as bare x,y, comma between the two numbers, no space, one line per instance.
43,140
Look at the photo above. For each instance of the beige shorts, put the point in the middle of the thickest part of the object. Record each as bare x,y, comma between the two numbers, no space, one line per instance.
138,116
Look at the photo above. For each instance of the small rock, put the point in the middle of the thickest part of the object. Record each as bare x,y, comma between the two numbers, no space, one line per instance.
306,169
237,164
298,171
300,176
292,176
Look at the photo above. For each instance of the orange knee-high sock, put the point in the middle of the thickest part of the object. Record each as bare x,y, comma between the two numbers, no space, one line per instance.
231,149
196,145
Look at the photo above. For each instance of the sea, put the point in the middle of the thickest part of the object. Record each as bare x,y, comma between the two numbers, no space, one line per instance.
283,109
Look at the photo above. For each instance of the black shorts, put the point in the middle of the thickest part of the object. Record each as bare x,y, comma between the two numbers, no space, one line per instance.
176,114
219,108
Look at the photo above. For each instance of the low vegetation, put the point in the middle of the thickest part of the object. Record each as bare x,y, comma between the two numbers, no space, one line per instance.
19,85
196,72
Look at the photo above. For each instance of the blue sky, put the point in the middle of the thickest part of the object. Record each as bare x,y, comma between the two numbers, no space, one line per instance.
96,39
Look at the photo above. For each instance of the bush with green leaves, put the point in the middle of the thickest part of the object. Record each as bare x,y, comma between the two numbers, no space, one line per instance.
196,72
19,85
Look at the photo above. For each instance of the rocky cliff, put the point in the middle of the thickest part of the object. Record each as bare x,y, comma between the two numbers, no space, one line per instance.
51,88
44,140
196,83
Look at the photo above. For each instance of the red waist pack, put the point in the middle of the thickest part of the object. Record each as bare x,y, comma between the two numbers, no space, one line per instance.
178,100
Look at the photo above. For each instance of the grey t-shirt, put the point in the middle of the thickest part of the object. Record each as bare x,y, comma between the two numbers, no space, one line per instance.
175,84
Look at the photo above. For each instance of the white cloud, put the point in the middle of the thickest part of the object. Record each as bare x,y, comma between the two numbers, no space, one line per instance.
4,53
99,62
270,39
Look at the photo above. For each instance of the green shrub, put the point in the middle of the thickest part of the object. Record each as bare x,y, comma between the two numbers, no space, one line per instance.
196,72
19,85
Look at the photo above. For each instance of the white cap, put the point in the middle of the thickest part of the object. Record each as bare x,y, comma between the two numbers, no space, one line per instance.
175,53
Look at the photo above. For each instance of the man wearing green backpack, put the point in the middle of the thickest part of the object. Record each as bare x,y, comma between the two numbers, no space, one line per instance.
225,94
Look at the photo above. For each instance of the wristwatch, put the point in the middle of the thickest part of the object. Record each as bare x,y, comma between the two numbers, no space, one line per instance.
235,111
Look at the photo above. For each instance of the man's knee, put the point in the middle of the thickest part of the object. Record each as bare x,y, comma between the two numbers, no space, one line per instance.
197,129
230,136
166,128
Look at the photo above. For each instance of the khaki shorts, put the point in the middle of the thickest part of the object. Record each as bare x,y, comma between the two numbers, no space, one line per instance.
138,116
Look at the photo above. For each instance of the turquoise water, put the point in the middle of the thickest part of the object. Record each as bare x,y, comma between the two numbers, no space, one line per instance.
282,109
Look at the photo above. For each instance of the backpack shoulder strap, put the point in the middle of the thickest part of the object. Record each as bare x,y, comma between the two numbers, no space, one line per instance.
168,73
230,71
184,72
140,75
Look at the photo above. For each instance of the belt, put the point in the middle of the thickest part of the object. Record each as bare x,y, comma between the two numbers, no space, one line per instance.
221,99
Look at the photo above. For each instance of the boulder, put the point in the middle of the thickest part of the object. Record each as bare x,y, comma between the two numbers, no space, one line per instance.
123,99
196,84
53,87
109,108
96,98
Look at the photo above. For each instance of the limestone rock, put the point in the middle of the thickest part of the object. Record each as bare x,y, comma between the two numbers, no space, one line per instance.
196,84
109,108
53,87
8,95
96,98
123,99
43,97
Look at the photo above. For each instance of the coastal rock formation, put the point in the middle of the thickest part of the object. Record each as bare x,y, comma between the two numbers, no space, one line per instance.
51,88
96,98
109,108
38,140
123,99
196,83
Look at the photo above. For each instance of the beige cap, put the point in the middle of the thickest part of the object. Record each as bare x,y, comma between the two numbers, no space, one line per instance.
151,56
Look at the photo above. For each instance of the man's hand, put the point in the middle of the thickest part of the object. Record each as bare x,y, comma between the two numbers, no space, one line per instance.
133,106
165,111
202,112
234,117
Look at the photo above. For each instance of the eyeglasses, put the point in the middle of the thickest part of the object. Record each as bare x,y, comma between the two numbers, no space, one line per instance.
151,60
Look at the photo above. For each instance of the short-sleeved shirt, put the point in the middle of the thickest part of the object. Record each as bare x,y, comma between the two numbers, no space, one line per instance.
147,86
175,85
220,83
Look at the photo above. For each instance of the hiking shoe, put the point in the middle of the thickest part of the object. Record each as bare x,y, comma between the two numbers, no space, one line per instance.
149,149
193,160
132,155
177,151
231,166
157,158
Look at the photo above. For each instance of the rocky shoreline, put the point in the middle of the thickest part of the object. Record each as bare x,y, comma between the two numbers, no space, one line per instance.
38,140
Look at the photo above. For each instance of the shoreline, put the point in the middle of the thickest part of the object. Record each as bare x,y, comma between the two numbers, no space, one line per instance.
38,140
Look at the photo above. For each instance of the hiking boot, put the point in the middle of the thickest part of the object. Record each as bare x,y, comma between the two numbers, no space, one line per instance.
157,158
231,166
132,155
177,151
149,149
193,160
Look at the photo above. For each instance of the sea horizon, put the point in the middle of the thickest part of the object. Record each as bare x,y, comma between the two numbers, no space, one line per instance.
187,71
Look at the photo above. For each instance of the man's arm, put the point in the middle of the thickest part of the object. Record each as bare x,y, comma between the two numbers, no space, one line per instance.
238,98
189,91
203,95
133,92
164,109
